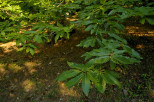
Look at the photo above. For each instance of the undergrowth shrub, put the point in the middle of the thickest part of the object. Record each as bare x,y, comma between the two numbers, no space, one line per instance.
102,18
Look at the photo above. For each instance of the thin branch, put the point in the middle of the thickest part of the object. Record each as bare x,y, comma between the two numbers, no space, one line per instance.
60,3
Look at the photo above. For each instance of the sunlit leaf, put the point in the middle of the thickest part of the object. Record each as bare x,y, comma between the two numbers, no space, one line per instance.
32,51
142,21
57,37
87,22
101,87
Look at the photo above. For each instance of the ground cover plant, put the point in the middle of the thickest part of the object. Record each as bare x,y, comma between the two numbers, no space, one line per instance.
42,21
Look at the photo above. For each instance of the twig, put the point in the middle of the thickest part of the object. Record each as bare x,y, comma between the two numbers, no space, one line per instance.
60,3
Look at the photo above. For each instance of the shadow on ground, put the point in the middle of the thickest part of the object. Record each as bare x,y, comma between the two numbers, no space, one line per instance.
26,78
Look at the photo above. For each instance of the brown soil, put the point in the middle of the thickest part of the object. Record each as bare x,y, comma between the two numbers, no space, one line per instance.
26,78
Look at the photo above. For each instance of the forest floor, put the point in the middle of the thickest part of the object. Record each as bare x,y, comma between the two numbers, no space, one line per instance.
26,78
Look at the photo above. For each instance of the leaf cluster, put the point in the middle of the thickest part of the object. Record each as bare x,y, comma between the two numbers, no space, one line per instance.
104,20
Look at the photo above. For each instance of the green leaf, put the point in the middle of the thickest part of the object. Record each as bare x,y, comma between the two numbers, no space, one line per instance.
82,67
113,73
35,27
90,41
27,49
92,31
87,22
102,1
117,37
38,38
87,55
23,39
75,65
123,59
3,40
32,46
67,74
136,54
150,20
143,11
29,32
99,42
101,86
66,29
89,27
119,26
41,29
111,44
59,25
109,78
104,86
32,51
142,21
86,84
74,81
57,37
100,60
112,12
21,49
3,33
112,65
97,52
127,49
92,76
119,52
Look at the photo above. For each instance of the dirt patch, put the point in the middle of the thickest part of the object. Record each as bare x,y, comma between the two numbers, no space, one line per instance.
26,78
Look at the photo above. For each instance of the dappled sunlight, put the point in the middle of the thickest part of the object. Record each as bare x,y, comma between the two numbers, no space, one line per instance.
1,52
72,19
31,66
28,85
144,34
132,27
140,46
37,51
14,67
8,47
1,55
58,43
62,59
139,31
65,91
2,69
76,38
40,37
22,30
11,95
